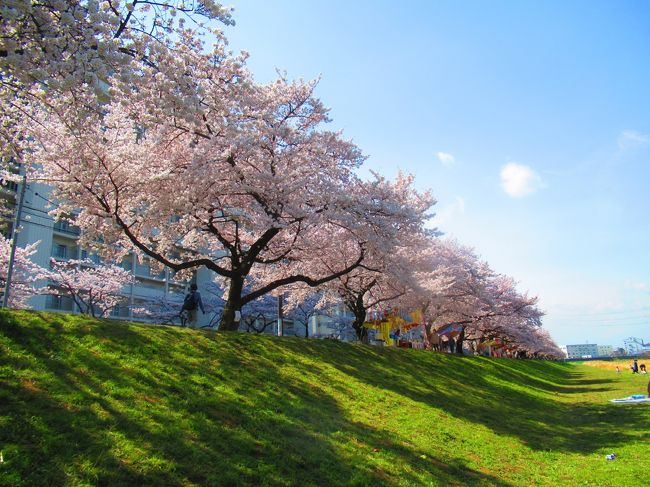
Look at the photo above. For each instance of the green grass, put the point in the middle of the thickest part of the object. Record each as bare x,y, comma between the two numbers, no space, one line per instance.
95,402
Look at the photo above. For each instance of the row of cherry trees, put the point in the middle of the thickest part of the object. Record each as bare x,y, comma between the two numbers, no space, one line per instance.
163,147
451,285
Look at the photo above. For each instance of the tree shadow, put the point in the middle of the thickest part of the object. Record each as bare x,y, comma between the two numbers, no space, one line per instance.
114,404
519,398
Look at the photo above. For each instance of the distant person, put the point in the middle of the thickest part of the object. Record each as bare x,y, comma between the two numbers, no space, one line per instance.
642,368
635,367
191,304
618,369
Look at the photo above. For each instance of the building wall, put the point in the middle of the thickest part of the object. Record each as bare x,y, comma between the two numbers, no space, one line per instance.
333,325
582,350
58,240
605,350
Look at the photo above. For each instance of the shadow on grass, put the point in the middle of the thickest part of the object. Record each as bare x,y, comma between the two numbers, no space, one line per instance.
110,404
517,398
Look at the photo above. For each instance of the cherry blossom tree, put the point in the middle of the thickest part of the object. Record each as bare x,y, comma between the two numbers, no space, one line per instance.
366,289
303,304
471,296
392,279
168,307
54,52
453,285
541,345
514,318
175,147
95,289
503,307
260,314
260,192
160,308
25,273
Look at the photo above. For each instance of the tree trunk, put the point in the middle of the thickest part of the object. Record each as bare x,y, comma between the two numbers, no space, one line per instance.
359,311
233,303
361,331
460,340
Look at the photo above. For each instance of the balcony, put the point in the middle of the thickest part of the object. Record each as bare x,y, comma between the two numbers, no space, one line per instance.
67,228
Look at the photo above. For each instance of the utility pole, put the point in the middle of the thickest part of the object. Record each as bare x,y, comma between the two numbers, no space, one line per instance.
14,242
280,324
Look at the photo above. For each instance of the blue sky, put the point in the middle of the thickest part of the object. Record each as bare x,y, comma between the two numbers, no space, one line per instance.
529,121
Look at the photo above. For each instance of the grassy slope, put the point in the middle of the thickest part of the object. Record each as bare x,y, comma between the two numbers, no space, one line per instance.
88,402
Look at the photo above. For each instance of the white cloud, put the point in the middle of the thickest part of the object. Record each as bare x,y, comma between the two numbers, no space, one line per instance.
636,285
446,159
631,138
519,180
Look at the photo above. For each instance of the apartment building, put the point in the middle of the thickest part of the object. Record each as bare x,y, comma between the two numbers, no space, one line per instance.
605,350
59,240
583,350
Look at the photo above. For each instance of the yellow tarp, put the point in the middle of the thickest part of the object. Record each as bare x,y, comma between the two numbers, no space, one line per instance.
393,322
384,328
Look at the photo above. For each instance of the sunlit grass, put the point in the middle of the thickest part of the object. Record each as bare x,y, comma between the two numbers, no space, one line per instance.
622,364
91,402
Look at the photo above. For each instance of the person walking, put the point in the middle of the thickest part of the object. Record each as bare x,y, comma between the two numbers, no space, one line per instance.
191,304
635,367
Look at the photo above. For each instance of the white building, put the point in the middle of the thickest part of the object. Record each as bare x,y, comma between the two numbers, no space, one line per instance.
336,324
59,240
583,350
605,350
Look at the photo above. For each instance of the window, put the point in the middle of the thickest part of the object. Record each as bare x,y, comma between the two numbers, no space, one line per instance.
120,312
60,251
142,269
60,303
10,185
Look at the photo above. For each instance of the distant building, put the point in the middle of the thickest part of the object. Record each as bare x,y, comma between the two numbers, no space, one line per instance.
605,350
583,350
636,346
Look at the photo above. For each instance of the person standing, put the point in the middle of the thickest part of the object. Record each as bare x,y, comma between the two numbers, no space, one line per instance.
635,367
191,305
